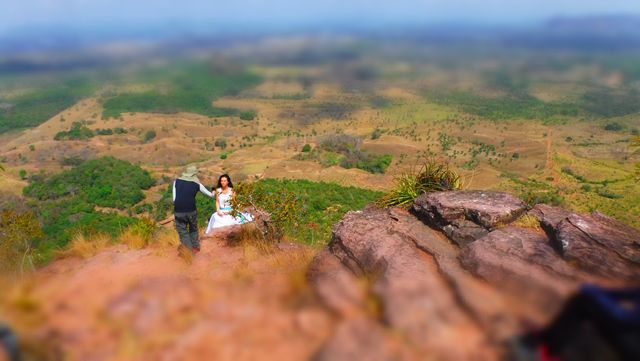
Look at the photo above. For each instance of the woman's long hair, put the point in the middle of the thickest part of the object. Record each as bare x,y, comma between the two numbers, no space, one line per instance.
228,180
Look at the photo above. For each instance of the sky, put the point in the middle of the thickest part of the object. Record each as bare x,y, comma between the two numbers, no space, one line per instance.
16,14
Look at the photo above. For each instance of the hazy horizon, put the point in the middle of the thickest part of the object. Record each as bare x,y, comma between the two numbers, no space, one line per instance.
287,14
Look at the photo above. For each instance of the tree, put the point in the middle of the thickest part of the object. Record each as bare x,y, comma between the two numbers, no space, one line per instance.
149,135
221,143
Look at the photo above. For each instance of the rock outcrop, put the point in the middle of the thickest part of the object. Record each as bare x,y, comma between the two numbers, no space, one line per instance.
467,215
457,267
595,243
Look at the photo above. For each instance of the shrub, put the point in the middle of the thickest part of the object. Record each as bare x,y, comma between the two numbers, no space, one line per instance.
534,197
614,127
71,161
376,134
306,148
78,131
367,162
248,115
345,150
221,143
149,135
144,227
604,192
302,209
223,156
143,208
431,176
107,182
107,131
18,230
67,201
341,143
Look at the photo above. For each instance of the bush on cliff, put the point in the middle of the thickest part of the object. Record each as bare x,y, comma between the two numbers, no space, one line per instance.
431,176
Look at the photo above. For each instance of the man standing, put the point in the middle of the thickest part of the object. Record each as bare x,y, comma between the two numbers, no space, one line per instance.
185,213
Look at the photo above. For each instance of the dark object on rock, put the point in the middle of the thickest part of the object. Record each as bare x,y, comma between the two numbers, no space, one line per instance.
9,343
467,215
595,325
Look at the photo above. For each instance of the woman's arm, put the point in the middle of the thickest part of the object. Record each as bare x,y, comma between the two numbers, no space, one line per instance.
218,202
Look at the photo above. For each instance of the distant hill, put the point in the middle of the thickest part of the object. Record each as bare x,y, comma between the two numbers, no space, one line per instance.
589,33
602,24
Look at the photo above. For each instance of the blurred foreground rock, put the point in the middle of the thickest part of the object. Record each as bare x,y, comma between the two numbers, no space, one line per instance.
459,275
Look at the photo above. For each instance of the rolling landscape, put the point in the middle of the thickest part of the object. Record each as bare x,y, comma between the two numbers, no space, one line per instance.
312,125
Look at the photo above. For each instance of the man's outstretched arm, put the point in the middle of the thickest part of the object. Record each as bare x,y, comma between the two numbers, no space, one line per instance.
204,190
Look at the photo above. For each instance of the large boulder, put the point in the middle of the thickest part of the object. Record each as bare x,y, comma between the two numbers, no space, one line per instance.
601,244
521,261
336,286
467,215
596,243
416,300
483,288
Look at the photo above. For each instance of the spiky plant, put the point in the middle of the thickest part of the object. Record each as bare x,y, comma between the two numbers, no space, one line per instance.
431,176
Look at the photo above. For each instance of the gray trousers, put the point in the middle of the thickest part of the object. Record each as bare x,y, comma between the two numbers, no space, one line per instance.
187,227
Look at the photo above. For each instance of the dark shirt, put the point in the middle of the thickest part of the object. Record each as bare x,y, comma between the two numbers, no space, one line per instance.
185,195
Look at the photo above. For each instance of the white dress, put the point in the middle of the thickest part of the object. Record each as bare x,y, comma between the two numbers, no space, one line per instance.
218,221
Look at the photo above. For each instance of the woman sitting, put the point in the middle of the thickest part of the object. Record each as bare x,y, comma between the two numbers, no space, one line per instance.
223,216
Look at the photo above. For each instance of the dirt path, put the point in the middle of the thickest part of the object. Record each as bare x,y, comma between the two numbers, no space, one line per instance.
230,303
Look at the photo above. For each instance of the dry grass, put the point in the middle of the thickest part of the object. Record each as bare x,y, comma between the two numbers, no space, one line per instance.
140,234
81,247
25,309
166,238
185,253
250,236
295,264
527,221
133,240
242,271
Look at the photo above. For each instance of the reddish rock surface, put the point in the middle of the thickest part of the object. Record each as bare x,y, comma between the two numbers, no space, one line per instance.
521,261
230,303
596,243
485,285
363,339
467,215
601,244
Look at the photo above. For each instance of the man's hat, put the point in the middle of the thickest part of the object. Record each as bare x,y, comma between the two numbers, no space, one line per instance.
190,174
